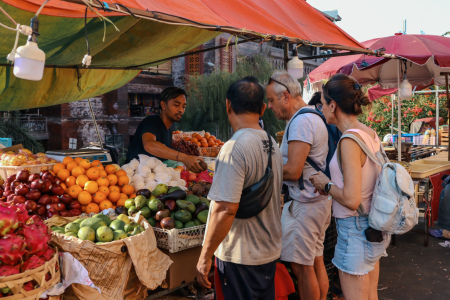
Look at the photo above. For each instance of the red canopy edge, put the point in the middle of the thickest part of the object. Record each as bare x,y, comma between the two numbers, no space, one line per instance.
283,20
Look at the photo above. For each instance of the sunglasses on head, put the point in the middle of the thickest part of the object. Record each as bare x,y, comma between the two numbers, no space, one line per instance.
271,79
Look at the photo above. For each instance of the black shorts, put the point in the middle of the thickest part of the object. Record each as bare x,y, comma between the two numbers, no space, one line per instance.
242,282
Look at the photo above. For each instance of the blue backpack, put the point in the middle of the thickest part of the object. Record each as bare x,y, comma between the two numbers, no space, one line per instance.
334,136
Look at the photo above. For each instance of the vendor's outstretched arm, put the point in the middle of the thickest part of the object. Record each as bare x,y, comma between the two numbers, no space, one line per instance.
158,149
219,224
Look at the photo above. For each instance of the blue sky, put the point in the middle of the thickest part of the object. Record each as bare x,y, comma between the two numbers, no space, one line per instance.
365,20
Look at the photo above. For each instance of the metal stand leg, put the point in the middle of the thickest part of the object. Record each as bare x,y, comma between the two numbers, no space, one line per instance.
428,211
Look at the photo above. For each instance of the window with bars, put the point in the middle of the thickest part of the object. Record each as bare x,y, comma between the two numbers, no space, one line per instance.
141,105
194,63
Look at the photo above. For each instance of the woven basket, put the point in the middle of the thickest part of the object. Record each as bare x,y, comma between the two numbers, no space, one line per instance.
16,282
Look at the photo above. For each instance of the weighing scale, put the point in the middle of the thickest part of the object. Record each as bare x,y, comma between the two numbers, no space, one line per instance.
91,154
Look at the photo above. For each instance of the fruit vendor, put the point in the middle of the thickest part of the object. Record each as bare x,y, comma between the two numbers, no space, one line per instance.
153,136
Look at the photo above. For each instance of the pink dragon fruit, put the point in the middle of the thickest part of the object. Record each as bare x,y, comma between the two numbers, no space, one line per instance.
46,254
36,220
12,249
32,263
28,286
35,240
8,220
9,270
22,213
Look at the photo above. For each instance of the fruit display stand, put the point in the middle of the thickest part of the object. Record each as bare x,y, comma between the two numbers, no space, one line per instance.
16,282
120,269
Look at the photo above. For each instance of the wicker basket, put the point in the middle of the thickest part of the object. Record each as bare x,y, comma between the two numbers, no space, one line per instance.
16,282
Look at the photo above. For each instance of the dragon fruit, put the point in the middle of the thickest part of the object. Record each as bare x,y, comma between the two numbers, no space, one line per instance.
36,220
22,213
32,263
46,254
35,240
9,270
8,220
12,249
28,286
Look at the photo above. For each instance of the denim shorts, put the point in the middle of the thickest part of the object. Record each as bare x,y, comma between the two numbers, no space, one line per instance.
353,254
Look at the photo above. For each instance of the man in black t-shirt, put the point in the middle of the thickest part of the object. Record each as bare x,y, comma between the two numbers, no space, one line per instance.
153,136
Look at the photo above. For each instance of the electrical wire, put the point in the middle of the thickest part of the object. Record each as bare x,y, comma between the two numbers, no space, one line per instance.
9,17
7,27
42,6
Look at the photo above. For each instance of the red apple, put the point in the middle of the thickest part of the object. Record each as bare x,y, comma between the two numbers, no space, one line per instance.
33,177
57,190
14,184
19,199
37,184
58,181
23,175
7,188
10,197
45,199
52,207
54,199
75,212
65,213
11,178
48,176
7,193
50,214
47,186
33,195
60,206
40,210
30,205
21,189
75,205
65,198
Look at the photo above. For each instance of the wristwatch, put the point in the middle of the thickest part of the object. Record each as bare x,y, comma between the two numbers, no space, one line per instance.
328,187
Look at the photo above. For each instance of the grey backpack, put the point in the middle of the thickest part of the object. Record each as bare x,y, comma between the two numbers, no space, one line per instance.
393,208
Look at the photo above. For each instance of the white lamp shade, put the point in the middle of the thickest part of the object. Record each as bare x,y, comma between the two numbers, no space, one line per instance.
295,67
29,62
405,90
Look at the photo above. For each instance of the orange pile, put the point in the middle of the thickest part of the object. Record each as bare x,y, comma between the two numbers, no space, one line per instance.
96,187
207,140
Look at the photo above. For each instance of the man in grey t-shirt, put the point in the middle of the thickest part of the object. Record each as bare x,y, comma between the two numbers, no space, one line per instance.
246,250
305,218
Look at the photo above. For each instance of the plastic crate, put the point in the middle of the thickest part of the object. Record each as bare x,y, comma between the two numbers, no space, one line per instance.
183,134
408,137
209,151
176,240
6,171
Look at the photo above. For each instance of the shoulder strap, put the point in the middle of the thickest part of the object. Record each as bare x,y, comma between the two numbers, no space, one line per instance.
369,154
269,164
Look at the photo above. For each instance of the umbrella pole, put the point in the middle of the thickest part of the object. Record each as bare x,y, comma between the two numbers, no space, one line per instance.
399,135
392,112
437,114
448,107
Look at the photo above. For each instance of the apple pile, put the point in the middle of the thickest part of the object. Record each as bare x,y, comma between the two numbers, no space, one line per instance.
41,193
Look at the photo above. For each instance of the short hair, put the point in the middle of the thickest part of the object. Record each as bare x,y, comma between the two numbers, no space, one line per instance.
171,93
292,84
246,96
315,99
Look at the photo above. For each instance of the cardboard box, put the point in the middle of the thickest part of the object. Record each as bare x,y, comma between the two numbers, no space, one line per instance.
184,266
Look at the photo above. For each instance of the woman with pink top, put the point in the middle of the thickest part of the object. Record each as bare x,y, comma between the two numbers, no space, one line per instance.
355,256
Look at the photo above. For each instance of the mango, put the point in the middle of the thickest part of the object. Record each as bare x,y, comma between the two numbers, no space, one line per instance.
183,216
117,225
194,199
72,227
104,234
86,234
186,205
93,223
124,218
203,216
104,218
119,235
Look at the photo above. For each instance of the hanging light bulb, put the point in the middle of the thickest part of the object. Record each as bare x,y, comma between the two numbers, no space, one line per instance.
29,60
295,66
405,91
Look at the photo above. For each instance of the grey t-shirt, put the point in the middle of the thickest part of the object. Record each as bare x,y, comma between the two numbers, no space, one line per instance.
242,162
311,129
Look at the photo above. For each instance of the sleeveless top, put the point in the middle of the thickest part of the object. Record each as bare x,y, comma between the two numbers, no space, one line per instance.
369,174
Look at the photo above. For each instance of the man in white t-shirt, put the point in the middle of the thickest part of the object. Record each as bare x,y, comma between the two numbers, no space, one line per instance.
306,217
246,250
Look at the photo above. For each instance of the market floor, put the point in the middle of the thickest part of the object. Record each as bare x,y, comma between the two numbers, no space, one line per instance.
412,271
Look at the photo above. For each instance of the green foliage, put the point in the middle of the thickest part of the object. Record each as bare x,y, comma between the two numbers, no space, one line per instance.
420,106
9,128
207,94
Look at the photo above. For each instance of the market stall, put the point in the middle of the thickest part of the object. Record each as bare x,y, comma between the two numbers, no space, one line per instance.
100,214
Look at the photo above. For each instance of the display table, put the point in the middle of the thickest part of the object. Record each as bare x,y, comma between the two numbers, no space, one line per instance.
421,171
